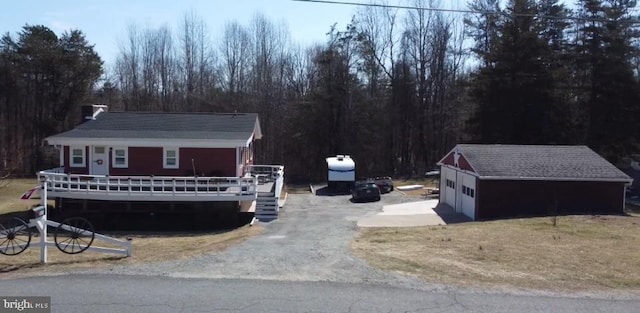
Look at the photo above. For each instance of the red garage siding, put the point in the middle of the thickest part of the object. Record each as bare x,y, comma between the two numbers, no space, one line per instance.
462,162
207,162
511,198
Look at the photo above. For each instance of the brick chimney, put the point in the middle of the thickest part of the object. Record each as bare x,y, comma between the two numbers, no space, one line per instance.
90,112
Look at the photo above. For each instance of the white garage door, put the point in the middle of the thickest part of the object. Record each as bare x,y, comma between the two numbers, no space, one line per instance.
448,178
466,194
458,190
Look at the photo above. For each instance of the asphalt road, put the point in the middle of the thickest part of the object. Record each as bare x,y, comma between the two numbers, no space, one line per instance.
114,293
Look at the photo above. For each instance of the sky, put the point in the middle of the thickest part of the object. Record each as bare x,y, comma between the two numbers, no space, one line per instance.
105,22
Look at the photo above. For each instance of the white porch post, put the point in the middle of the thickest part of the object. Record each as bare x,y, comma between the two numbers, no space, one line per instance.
43,227
61,156
238,167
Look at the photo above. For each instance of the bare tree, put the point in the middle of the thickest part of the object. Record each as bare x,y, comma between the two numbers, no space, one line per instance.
196,59
269,44
418,41
165,68
146,70
436,60
235,60
128,70
379,32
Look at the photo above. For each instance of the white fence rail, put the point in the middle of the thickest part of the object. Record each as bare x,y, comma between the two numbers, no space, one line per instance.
264,169
148,186
271,173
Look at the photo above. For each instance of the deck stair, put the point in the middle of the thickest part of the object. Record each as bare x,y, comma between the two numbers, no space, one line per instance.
266,207
267,202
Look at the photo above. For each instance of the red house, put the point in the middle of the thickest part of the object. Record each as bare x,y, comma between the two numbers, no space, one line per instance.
150,158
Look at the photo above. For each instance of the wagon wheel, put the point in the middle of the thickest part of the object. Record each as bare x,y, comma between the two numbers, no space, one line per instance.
74,235
15,236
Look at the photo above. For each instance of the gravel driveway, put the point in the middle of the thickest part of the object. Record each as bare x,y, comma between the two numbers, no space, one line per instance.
310,242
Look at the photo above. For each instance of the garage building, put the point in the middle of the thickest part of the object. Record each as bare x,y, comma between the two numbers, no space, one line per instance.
497,181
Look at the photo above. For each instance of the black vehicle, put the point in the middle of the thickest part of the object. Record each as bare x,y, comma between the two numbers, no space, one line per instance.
385,184
367,190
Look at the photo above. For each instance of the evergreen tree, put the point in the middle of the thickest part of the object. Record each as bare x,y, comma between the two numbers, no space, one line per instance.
603,52
533,86
515,87
43,81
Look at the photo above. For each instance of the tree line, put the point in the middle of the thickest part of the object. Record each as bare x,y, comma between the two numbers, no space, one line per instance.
396,89
44,79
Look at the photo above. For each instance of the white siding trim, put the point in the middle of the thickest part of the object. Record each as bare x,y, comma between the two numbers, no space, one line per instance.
459,170
238,165
461,153
249,141
150,142
61,150
614,180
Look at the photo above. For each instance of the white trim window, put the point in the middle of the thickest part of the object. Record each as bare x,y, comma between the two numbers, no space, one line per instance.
171,157
77,156
120,157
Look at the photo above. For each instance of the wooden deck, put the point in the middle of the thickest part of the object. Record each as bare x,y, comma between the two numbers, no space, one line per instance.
149,188
266,181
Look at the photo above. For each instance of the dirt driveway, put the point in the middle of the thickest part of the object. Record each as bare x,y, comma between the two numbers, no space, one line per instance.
310,242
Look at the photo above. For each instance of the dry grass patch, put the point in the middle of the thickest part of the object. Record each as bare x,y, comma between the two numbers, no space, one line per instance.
425,192
582,253
296,189
10,195
146,249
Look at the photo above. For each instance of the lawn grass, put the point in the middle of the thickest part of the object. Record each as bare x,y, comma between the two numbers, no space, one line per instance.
581,253
10,195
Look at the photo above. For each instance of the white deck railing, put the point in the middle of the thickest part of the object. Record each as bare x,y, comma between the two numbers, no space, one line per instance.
270,173
146,187
264,169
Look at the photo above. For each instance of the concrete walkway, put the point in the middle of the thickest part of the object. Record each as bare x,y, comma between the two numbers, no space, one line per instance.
412,214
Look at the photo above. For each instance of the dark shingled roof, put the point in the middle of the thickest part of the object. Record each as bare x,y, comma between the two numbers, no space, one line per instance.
537,161
166,125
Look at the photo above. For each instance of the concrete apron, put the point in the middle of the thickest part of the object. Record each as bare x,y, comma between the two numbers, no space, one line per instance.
411,214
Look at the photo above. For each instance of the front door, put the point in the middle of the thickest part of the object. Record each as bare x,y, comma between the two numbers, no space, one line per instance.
99,160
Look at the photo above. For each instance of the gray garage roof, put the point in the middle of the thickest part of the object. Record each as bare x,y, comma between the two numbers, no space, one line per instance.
540,162
137,125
